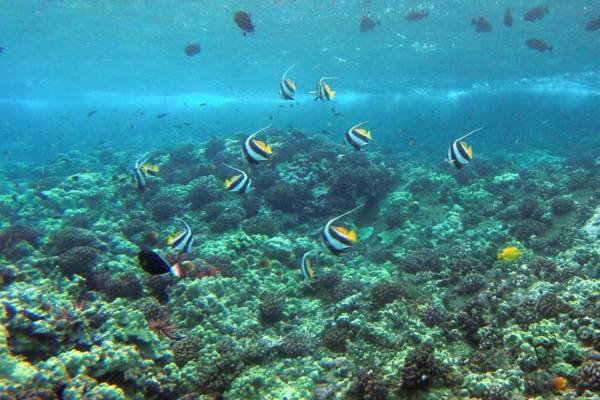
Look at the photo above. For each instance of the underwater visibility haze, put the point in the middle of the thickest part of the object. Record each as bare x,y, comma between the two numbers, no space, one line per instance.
299,199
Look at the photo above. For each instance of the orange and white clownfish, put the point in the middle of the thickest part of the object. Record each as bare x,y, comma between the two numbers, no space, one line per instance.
339,239
254,150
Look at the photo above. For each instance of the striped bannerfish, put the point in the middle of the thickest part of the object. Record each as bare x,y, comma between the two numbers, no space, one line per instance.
256,151
323,91
459,152
140,174
287,87
357,136
306,266
338,238
238,183
183,240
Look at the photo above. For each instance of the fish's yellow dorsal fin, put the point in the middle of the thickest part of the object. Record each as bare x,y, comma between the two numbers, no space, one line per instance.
365,132
310,271
228,182
469,150
172,238
349,233
265,147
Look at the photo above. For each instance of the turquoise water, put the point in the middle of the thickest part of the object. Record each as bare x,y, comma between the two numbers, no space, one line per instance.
424,305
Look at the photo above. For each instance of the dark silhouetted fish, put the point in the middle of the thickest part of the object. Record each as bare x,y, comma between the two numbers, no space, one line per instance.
89,114
416,15
481,25
538,44
367,24
244,21
508,18
155,264
593,25
1,49
192,49
161,115
536,13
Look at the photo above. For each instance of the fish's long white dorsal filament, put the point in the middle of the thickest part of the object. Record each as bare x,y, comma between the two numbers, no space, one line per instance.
234,168
183,222
470,133
286,72
259,131
359,124
346,213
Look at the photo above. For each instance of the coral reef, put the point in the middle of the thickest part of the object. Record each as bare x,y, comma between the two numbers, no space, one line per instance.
420,307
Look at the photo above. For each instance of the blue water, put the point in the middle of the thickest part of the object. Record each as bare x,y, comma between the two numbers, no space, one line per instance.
434,78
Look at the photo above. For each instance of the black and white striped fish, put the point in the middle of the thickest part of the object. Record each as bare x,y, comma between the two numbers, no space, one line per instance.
358,137
238,183
339,239
183,240
323,91
459,152
256,151
287,87
140,174
306,266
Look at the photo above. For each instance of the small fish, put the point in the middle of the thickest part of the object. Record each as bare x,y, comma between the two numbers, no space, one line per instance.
459,152
358,137
535,14
183,240
412,142
416,15
155,264
42,196
508,18
367,24
339,239
244,22
202,104
323,91
141,169
306,266
161,115
256,151
89,114
1,50
593,25
150,169
238,183
192,49
509,254
539,45
481,25
287,87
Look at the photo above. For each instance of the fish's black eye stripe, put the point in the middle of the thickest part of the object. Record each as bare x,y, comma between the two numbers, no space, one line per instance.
462,150
258,149
336,235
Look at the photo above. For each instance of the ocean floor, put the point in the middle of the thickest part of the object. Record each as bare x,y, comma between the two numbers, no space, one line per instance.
425,306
